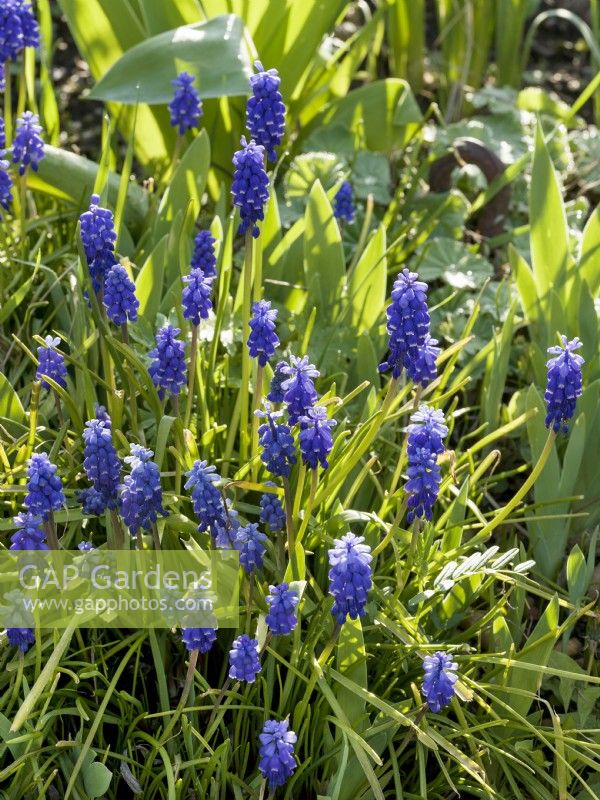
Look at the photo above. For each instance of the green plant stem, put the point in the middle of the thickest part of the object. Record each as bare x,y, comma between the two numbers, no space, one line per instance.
117,529
255,406
51,536
364,232
191,377
189,680
314,481
34,401
247,293
7,105
289,526
59,411
503,512
23,213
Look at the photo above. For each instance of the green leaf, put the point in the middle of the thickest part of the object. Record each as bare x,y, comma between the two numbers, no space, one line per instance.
589,258
371,175
384,114
454,263
525,283
10,405
537,650
576,575
323,253
96,778
368,283
549,231
149,282
187,185
351,661
537,100
214,52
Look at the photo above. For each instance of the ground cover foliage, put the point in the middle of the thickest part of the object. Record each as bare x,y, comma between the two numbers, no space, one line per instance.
503,577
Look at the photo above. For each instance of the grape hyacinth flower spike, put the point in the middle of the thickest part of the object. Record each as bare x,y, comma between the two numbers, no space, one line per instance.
263,339
28,146
564,384
276,752
282,617
98,237
316,440
6,186
244,663
44,487
299,391
249,541
206,498
100,461
200,639
140,492
265,110
349,576
407,322
250,187
422,367
51,363
196,298
30,534
278,450
439,679
18,29
185,107
425,443
204,257
343,208
119,296
271,510
279,376
22,638
168,370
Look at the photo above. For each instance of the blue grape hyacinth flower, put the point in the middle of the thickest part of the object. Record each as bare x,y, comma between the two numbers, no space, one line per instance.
265,110
204,257
299,391
168,369
278,449
271,510
28,145
92,501
98,236
201,639
407,322
343,207
185,107
279,376
51,363
244,661
206,498
100,461
18,29
439,679
6,186
422,367
276,752
249,541
316,440
282,617
140,492
44,487
425,443
119,296
22,638
196,298
224,533
349,576
30,534
2,133
263,339
564,384
250,187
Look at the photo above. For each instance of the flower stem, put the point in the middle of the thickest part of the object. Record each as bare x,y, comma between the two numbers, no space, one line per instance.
289,526
187,686
314,480
191,377
255,406
117,529
502,513
247,292
51,536
7,105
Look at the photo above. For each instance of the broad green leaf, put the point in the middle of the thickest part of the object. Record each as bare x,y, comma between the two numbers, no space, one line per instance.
589,258
497,371
572,457
576,574
371,176
214,52
549,231
187,184
10,405
69,176
525,283
351,661
368,283
537,100
149,282
96,778
454,263
454,525
537,650
384,114
323,253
